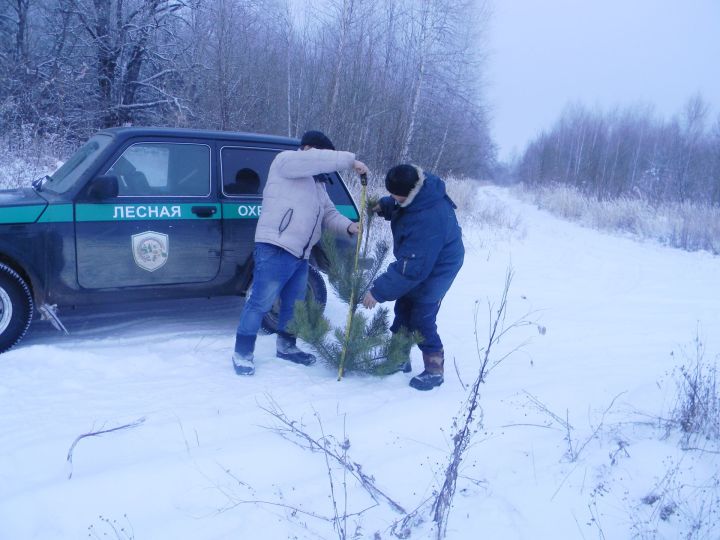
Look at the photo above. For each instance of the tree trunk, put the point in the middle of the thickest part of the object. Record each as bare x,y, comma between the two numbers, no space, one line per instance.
21,7
107,56
412,117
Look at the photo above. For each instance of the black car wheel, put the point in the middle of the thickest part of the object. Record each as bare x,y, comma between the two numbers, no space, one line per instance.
16,307
316,291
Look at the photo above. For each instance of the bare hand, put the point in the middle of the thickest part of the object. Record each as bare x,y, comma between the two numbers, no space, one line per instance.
353,228
360,167
369,300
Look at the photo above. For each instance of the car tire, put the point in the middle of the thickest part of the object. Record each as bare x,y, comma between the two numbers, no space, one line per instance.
316,290
16,307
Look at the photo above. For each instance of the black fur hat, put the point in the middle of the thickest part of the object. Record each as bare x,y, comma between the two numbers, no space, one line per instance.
316,139
401,179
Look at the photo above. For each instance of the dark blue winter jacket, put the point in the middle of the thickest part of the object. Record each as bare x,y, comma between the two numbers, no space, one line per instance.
427,244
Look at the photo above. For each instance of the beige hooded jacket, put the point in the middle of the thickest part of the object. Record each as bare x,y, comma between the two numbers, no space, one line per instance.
295,207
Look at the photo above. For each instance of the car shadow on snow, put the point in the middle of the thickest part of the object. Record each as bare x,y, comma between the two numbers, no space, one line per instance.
197,316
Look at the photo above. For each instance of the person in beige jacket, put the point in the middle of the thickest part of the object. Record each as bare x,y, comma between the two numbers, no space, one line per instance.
295,210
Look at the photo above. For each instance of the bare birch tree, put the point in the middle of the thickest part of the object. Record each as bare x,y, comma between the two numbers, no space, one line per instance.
628,152
392,80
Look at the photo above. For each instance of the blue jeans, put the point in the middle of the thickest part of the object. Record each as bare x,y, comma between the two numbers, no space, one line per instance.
420,317
277,273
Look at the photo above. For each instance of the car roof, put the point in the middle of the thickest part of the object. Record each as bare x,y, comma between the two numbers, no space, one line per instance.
127,132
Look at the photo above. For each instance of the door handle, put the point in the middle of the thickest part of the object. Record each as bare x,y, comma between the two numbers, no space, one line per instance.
204,211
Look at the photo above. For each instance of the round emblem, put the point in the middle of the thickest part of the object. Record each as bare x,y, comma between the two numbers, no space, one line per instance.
150,250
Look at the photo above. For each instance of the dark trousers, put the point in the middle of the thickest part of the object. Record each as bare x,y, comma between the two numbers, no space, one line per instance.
420,317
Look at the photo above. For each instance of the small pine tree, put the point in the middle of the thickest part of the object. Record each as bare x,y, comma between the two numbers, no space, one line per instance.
370,346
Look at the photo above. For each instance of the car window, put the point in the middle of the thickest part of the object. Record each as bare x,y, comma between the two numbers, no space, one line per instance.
245,170
336,190
69,172
163,169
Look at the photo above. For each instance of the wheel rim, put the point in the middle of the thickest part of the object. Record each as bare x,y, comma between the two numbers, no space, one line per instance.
6,310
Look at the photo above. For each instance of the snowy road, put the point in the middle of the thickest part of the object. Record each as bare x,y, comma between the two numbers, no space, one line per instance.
618,314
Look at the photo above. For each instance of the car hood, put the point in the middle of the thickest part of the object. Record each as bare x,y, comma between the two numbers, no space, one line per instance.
22,205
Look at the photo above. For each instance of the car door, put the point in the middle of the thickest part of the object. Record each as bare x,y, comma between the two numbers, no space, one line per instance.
164,226
340,196
244,171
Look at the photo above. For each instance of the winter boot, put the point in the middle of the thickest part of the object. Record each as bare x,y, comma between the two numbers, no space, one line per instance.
243,363
287,349
243,356
433,374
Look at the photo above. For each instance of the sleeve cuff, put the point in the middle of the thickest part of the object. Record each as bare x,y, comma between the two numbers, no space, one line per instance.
377,296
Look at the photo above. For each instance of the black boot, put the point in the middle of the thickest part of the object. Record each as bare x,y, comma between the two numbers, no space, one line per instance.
287,349
433,374
243,361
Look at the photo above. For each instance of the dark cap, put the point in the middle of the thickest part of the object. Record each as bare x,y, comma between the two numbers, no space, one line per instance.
316,139
401,179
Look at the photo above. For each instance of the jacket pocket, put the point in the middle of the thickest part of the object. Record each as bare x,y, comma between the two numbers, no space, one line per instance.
412,266
285,221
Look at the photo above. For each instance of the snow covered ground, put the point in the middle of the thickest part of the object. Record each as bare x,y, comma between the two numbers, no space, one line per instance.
202,464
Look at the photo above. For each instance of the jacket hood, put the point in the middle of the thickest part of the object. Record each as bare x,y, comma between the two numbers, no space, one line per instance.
426,193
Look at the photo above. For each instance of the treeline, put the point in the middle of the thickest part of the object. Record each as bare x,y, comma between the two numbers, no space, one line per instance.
630,152
394,80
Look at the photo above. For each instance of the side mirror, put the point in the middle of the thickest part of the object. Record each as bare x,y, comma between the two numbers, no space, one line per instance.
103,187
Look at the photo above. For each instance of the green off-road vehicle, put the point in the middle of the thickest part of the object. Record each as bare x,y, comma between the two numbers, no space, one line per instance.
141,214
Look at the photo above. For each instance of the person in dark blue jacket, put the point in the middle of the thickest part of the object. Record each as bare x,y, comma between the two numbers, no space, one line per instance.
429,252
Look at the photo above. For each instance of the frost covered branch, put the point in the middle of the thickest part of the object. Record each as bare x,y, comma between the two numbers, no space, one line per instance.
337,452
134,424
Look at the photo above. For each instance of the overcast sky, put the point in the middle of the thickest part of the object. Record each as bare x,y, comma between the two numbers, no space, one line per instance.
548,53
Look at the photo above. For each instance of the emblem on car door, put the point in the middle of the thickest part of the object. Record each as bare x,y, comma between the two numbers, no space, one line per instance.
150,250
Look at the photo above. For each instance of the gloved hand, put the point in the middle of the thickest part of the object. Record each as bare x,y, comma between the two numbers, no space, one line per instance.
385,207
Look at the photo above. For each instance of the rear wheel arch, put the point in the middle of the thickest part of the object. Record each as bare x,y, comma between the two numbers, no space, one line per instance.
28,277
319,259
316,291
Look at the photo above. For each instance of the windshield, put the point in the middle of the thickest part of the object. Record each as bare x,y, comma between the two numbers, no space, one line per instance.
65,177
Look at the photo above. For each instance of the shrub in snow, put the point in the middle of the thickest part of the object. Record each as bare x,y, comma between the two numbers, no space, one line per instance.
491,213
111,528
25,158
624,215
564,201
689,225
694,226
697,410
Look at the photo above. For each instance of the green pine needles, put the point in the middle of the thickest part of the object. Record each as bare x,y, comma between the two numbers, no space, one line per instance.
370,346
